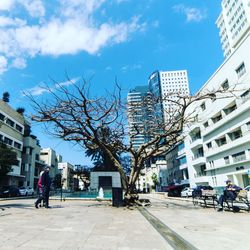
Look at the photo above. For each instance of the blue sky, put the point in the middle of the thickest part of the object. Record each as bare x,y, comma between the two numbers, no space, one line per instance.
103,40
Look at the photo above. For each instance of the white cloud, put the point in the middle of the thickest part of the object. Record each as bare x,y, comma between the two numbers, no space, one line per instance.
135,66
6,21
19,63
70,28
67,83
37,90
35,8
108,68
3,64
42,89
192,14
6,4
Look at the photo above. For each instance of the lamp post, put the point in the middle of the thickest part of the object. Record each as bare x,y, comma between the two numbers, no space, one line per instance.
61,182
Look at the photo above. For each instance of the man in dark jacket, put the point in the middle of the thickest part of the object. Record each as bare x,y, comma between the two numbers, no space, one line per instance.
46,182
230,193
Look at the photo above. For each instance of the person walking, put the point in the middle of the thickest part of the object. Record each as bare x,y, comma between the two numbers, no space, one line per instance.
40,191
44,187
46,182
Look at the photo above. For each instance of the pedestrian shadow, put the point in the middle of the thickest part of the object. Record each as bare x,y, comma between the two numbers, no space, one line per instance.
15,205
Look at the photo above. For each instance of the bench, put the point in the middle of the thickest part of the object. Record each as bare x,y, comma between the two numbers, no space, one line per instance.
206,198
236,204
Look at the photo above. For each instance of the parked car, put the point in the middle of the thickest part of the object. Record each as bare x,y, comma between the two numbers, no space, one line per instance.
197,191
186,192
175,190
247,188
24,191
9,191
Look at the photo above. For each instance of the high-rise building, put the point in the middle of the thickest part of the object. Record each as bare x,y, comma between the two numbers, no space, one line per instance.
139,115
234,23
166,86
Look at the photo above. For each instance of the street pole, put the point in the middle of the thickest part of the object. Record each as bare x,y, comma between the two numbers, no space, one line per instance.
61,185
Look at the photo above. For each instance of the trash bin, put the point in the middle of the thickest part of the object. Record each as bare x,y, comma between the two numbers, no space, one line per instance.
117,197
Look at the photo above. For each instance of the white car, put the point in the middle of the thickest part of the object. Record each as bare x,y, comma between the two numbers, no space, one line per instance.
186,192
25,191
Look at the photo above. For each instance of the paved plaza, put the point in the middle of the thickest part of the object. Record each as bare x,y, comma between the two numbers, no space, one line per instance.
78,224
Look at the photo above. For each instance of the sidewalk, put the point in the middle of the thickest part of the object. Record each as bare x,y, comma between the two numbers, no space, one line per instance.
204,228
75,225
98,225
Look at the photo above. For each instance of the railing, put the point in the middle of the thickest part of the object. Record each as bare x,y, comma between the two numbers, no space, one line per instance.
239,158
200,174
197,156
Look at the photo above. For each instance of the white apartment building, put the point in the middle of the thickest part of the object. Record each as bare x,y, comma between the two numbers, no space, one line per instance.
11,133
234,23
176,162
167,85
31,163
219,142
50,158
67,175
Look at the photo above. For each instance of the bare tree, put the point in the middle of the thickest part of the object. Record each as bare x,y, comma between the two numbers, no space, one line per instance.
72,114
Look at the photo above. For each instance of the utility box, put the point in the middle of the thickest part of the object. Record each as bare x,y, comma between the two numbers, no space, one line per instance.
117,197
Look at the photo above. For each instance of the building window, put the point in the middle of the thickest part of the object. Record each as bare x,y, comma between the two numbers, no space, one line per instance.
203,106
221,141
10,122
226,159
17,145
225,85
19,128
230,109
209,145
241,70
245,96
8,141
216,118
241,156
248,126
183,160
235,135
2,117
205,124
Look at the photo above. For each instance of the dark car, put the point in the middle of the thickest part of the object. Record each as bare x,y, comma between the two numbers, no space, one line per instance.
9,191
175,190
198,190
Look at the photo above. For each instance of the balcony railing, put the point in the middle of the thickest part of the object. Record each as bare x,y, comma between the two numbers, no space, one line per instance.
239,158
200,174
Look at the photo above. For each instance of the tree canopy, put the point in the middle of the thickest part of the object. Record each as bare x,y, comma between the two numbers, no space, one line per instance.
7,158
100,123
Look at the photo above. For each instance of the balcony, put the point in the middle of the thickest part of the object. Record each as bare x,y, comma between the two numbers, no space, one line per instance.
201,179
199,161
200,174
195,143
231,144
183,166
243,105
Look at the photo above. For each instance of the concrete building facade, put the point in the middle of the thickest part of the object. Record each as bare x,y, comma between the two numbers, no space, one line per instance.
233,23
11,133
50,158
218,144
67,175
